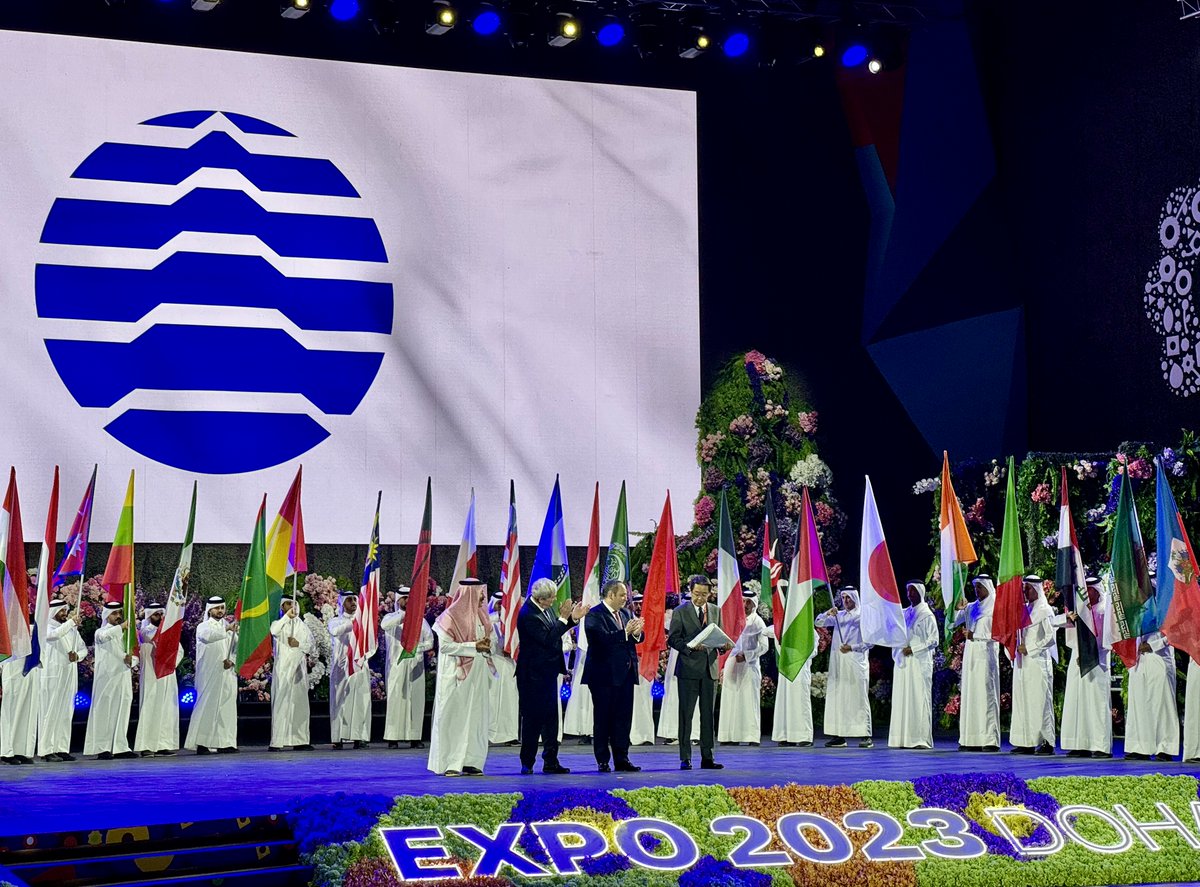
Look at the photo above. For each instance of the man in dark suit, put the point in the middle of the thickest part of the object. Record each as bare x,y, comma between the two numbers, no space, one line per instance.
538,666
696,670
611,673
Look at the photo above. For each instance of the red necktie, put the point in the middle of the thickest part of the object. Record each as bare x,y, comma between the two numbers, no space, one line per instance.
703,616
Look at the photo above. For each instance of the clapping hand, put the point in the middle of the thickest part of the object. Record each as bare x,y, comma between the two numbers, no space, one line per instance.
634,626
579,611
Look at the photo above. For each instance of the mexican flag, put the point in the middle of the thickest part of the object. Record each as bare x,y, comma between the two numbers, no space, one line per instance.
14,601
591,569
729,580
254,603
956,550
1130,576
418,595
1010,615
551,558
466,565
118,575
167,642
662,578
807,577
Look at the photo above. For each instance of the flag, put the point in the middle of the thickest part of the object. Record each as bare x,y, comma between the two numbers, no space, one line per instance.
772,567
1009,614
729,580
286,554
166,642
591,568
1069,576
550,562
661,579
1130,576
74,560
365,639
41,606
466,565
118,574
882,613
616,559
414,614
510,580
15,638
956,551
1178,593
807,577
254,603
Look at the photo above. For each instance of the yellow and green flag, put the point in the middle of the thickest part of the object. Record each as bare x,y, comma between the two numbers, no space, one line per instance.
118,574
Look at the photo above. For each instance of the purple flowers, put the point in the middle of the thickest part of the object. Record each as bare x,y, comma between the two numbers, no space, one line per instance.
545,806
709,872
714,479
953,792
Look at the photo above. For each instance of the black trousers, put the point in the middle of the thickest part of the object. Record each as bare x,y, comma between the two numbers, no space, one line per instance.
691,689
539,705
612,718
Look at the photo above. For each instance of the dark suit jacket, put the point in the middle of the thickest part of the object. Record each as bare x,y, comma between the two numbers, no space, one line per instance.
541,642
685,625
611,656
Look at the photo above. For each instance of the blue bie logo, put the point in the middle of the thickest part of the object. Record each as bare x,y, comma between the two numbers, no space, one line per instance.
221,295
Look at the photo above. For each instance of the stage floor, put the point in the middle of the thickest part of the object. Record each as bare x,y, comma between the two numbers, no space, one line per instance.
111,794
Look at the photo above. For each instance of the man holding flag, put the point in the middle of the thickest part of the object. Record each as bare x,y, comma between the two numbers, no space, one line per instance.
1152,722
1087,705
107,733
1032,728
213,727
979,701
405,677
18,713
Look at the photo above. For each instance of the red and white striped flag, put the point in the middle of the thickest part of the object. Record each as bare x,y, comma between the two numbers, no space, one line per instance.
510,579
365,640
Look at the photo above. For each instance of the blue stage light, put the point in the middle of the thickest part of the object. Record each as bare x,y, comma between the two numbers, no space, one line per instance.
565,692
736,44
855,54
611,34
344,10
486,23
187,697
657,690
82,699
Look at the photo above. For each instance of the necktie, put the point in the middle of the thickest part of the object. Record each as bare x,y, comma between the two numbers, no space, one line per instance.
703,616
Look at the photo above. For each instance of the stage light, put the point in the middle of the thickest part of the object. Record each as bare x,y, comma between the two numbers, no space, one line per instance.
736,44
657,690
565,693
205,5
854,55
442,17
343,10
187,697
295,8
566,29
82,699
611,33
874,66
486,22
696,45
819,51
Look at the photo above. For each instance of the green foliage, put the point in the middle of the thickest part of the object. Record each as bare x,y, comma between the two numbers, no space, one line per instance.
330,862
691,807
483,810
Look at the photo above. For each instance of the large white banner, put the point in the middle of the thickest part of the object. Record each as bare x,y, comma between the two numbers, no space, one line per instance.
220,265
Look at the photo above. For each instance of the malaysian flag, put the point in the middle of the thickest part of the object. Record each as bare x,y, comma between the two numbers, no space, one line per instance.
366,618
510,579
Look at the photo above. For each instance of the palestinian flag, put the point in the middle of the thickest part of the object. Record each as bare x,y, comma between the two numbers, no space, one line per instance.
661,579
15,638
418,595
1010,615
166,644
510,581
286,551
365,639
729,580
956,550
254,603
1069,575
772,567
551,558
591,568
466,565
1130,576
1177,597
808,576
616,560
118,575
41,606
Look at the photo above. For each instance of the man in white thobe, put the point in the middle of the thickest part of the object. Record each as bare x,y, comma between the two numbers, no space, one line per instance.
59,674
405,677
293,642
349,694
107,733
912,675
18,710
641,730
979,693
793,722
505,704
1152,722
668,713
1087,705
739,717
1191,713
213,727
458,744
1032,727
847,708
577,721
158,698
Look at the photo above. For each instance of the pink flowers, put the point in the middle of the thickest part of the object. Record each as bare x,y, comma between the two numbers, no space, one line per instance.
708,446
775,410
1140,469
952,704
705,507
835,574
823,636
807,422
974,514
824,514
751,560
756,359
1042,495
742,426
710,563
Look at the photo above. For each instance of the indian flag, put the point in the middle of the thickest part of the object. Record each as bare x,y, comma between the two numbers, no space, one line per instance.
807,577
286,553
957,552
15,639
118,575
254,603
167,642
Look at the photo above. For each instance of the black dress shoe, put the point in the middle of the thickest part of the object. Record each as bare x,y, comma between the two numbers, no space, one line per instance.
526,771
1045,749
274,748
711,765
1021,750
22,759
63,756
338,746
1079,753
361,743
147,754
227,750
1101,754
627,767
1163,756
472,771
584,740
416,743
305,747
685,765
992,748
804,745
1136,756
836,742
783,743
165,753
11,760
125,755
393,743
603,768
556,769
103,756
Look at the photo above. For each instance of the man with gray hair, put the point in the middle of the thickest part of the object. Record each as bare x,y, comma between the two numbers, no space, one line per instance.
538,667
611,673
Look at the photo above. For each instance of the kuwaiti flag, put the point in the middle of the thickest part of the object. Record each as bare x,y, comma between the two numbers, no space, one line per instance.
1130,576
166,643
956,550
510,580
254,602
466,565
365,638
551,558
287,554
418,593
729,579
661,579
772,567
591,568
1069,576
808,576
1010,615
1178,595
74,560
882,614
41,605
118,574
15,639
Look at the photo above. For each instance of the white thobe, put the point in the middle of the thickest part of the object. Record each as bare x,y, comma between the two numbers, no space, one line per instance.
979,685
59,684
505,710
214,719
578,719
1033,681
349,694
1191,713
740,718
1152,723
461,708
641,730
912,682
793,703
1087,704
847,709
158,699
289,682
405,678
112,695
19,708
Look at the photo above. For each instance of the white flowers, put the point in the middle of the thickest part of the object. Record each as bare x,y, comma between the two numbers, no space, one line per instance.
811,472
772,371
928,485
819,682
